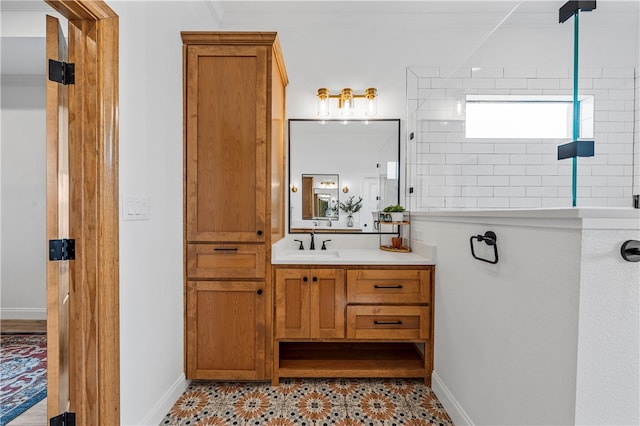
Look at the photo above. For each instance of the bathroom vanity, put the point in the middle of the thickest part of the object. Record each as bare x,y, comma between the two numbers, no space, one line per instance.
252,310
352,313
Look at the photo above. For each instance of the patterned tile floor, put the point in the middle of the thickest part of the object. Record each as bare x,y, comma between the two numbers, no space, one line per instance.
307,402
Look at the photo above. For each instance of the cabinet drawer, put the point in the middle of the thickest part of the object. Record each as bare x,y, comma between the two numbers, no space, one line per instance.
388,322
388,286
225,261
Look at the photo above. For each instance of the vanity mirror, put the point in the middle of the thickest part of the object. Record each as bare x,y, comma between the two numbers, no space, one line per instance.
332,160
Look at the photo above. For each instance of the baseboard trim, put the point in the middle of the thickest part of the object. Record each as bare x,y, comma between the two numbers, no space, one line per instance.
23,313
454,409
162,407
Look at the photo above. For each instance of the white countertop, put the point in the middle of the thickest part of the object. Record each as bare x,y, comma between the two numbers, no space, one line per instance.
348,256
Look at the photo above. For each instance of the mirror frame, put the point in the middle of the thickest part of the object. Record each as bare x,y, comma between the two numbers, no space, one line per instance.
326,229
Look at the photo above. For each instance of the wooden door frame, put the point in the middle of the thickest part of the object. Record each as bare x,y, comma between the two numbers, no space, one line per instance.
93,163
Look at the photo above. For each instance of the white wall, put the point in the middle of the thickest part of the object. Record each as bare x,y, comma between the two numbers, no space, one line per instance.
609,330
23,195
549,334
506,334
364,49
151,258
23,276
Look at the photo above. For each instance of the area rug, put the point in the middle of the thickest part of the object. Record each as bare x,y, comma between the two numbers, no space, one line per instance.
23,373
309,402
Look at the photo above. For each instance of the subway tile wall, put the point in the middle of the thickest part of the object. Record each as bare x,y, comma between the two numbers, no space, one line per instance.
448,171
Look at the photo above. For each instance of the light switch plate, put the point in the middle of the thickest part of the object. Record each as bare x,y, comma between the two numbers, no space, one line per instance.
135,207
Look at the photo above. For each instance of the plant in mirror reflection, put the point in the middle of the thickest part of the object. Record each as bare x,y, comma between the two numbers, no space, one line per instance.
332,208
350,206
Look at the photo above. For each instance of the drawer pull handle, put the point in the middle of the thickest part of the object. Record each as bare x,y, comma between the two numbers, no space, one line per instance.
387,322
226,249
305,279
387,286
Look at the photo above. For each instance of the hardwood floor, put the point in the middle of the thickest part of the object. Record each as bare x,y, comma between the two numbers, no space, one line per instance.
23,326
36,415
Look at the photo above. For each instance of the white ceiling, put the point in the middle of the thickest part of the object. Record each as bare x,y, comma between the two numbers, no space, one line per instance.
22,46
456,13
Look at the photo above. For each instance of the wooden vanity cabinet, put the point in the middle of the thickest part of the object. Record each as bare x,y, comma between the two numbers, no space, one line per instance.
381,322
234,116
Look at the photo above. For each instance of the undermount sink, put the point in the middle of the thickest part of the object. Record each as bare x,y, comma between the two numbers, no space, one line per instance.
312,254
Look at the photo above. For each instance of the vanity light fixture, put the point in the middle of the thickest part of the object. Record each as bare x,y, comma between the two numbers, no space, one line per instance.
346,101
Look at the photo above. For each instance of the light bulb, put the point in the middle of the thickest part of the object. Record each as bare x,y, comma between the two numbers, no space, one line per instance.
372,101
346,102
323,102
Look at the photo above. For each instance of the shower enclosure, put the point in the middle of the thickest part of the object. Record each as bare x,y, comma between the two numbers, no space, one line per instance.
484,134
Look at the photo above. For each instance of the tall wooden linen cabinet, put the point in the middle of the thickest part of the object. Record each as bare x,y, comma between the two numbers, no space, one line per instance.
234,183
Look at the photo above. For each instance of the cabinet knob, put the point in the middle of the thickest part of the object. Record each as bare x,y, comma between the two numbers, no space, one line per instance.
259,291
315,279
259,232
305,279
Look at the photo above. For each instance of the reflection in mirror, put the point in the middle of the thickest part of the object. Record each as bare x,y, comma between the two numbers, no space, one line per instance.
320,197
363,159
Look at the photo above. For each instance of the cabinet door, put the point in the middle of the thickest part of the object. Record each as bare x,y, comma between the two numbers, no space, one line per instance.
293,294
327,303
226,148
225,330
310,303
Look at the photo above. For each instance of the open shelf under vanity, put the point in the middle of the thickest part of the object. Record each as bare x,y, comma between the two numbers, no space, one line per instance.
351,359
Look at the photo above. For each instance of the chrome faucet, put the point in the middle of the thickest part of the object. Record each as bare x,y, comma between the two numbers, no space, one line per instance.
312,245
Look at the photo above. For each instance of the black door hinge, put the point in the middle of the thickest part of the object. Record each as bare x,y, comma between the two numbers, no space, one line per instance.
64,419
62,72
62,249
